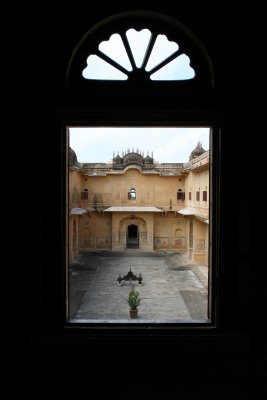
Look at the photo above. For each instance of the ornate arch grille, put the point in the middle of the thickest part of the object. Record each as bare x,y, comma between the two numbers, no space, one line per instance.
138,55
151,32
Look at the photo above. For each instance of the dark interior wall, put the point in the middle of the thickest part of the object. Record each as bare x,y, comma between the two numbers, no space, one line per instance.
41,358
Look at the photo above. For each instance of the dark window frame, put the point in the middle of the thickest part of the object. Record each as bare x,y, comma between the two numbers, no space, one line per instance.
175,120
85,194
169,111
180,194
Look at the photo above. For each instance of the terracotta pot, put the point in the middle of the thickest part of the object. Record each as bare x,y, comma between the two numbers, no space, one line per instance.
133,313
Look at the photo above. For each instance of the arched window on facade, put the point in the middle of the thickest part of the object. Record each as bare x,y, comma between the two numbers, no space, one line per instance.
84,194
132,194
144,69
180,194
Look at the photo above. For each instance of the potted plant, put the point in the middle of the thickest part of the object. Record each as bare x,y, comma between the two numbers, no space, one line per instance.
133,301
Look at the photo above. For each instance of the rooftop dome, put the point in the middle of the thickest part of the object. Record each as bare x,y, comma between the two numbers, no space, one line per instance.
198,150
117,159
133,158
72,158
148,160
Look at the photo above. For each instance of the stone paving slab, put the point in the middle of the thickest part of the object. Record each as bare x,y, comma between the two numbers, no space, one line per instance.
171,290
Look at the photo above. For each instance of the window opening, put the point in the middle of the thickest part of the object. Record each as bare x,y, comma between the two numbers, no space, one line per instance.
154,224
164,60
84,194
132,194
180,194
154,55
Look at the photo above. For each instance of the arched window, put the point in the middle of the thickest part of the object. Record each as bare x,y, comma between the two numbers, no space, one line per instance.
84,194
132,194
180,194
145,69
140,47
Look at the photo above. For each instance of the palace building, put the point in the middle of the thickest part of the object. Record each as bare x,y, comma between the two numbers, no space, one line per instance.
134,202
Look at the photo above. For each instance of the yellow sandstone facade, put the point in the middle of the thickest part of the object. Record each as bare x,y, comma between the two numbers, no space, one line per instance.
133,202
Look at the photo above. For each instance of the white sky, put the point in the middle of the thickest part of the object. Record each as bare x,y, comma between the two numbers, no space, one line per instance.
97,144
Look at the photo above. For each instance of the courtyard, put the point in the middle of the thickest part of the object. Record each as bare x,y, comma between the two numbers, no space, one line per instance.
173,289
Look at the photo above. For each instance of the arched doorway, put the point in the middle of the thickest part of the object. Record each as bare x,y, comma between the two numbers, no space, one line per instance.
132,241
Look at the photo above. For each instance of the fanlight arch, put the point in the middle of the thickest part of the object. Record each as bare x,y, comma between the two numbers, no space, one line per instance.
139,46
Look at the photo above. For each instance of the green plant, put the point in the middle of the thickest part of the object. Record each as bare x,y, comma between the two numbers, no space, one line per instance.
133,299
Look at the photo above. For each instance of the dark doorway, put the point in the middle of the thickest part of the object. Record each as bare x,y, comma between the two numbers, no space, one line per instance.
132,237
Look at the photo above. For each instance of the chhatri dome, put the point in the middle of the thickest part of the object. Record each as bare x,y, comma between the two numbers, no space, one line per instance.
132,157
72,158
198,150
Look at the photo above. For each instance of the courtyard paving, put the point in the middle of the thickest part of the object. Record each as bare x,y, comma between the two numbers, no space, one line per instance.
173,288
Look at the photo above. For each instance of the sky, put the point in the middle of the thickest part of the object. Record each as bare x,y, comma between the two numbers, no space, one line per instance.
169,145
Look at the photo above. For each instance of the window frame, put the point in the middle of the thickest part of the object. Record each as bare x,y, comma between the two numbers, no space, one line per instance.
181,104
132,194
84,195
180,194
175,120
